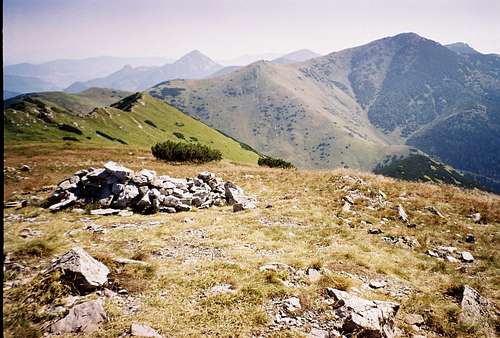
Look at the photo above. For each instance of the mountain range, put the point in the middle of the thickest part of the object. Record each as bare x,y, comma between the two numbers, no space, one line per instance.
404,106
59,74
360,106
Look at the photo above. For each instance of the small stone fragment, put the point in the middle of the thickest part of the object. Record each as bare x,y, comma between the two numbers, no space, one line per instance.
142,330
467,257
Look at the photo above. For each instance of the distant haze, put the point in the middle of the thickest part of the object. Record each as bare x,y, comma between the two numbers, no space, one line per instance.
38,31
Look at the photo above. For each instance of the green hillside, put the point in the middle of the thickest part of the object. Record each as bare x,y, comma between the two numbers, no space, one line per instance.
137,120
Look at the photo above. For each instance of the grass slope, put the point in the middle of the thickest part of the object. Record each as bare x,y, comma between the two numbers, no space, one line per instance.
305,227
142,122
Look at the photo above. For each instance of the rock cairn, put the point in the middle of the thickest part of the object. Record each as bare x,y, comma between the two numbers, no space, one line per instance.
115,187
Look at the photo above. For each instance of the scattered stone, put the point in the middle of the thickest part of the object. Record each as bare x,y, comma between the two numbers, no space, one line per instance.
451,259
374,231
364,318
435,211
402,213
243,206
125,213
470,238
221,289
314,275
25,168
16,204
467,257
29,233
142,330
118,187
414,319
474,307
129,261
476,217
292,304
78,211
402,241
103,212
276,267
411,225
123,292
346,207
377,284
318,333
82,318
83,270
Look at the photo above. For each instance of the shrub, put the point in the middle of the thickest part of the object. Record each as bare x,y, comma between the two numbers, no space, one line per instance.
185,152
179,135
151,123
69,128
275,163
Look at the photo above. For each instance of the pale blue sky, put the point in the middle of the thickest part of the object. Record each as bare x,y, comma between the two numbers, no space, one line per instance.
42,30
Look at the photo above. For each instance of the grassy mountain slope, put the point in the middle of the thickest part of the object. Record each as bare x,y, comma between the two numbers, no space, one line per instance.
280,111
355,106
187,254
137,120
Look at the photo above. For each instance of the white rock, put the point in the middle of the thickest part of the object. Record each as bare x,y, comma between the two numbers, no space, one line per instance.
467,256
142,330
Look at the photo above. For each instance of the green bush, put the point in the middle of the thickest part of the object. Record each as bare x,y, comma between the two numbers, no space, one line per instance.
275,163
185,152
69,128
151,123
179,135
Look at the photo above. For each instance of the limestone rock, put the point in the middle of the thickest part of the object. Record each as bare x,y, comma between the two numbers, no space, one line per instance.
142,330
87,272
82,318
467,257
364,318
118,171
103,212
474,306
402,213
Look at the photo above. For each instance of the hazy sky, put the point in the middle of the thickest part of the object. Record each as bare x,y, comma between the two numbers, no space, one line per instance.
41,30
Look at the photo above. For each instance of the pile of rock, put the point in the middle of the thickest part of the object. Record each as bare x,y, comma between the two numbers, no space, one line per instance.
451,254
115,188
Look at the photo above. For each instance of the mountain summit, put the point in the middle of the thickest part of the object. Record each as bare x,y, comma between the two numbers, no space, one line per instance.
193,65
359,107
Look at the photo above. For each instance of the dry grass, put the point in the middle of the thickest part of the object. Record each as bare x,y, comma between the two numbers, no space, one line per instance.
304,228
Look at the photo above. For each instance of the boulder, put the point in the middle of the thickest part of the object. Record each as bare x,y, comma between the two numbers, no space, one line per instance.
474,308
25,168
67,199
118,171
364,318
82,318
82,269
234,194
467,257
402,213
144,177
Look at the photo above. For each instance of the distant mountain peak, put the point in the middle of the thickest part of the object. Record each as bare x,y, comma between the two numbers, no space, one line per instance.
195,56
300,55
461,48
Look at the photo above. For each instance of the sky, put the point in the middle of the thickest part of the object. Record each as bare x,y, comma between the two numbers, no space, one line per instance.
42,30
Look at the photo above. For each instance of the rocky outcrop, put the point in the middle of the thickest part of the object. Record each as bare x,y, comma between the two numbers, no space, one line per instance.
364,318
82,318
115,188
474,306
84,271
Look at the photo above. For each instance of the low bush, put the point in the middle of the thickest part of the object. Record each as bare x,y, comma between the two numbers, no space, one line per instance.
151,123
69,128
185,152
275,163
179,135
